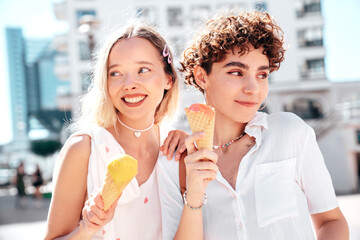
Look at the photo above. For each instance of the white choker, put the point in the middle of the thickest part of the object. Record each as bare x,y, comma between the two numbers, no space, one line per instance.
137,132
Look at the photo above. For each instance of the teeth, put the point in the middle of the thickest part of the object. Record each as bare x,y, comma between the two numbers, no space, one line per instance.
134,99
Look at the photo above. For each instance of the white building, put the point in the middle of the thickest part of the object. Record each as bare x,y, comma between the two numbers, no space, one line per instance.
299,86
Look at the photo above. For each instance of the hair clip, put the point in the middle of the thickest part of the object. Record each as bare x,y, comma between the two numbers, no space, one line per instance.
166,53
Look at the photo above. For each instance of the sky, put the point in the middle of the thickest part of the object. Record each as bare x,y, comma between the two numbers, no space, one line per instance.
37,19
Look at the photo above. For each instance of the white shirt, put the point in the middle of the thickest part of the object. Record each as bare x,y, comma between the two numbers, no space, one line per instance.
138,214
280,181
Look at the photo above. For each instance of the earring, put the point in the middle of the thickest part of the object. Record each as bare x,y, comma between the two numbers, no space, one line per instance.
263,106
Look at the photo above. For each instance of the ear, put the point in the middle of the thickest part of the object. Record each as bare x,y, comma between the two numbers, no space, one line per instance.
200,77
169,82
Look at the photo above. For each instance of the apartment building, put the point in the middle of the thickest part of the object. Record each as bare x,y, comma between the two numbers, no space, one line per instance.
300,86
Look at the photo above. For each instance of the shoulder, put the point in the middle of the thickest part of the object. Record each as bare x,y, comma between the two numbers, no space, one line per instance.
76,151
287,125
78,144
286,120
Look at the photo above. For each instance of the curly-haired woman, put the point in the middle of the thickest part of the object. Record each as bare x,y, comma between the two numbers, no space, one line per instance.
266,175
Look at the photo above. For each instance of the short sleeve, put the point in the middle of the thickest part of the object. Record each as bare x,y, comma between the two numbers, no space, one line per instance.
170,196
314,176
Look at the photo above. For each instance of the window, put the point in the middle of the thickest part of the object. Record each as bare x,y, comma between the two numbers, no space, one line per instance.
199,13
148,13
175,17
81,13
313,68
84,51
305,108
260,7
358,136
310,37
307,7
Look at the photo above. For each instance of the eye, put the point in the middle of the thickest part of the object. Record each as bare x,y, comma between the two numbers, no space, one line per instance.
263,75
236,73
144,70
114,74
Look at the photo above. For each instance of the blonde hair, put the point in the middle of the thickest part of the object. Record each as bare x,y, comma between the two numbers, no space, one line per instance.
97,107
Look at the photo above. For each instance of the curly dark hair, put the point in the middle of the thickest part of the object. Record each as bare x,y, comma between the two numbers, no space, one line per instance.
226,31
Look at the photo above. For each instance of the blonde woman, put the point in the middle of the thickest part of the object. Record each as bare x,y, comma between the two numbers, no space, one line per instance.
134,87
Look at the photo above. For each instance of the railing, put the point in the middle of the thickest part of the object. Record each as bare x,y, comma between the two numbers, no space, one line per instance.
337,115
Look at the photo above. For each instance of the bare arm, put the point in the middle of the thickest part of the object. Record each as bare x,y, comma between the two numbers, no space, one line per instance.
331,225
69,192
201,168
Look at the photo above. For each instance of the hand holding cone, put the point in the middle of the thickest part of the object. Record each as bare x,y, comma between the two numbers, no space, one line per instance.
201,118
120,172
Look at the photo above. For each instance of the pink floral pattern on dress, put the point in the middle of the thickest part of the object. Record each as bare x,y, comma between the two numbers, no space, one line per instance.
146,200
107,149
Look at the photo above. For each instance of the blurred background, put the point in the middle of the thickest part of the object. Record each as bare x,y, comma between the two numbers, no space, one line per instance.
46,63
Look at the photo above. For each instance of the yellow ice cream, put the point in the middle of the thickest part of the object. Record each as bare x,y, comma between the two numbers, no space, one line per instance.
120,172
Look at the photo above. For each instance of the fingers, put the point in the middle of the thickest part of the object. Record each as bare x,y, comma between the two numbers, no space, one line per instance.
172,146
164,148
93,213
99,201
206,175
90,226
175,142
201,155
202,166
180,151
190,141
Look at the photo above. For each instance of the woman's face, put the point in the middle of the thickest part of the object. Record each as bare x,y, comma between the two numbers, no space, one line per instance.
238,85
136,78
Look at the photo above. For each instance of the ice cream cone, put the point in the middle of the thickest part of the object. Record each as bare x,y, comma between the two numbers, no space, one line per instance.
120,172
201,118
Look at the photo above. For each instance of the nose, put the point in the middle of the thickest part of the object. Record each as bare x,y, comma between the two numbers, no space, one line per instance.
130,82
251,86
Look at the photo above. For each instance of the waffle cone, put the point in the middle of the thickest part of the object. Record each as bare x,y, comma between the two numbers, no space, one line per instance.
119,174
201,122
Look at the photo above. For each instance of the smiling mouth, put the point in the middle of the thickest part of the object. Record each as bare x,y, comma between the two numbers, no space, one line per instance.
134,99
247,104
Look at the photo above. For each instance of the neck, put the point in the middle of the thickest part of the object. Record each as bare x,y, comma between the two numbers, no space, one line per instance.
226,129
147,133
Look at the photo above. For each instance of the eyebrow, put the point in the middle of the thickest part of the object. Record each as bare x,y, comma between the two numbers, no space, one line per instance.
245,66
138,62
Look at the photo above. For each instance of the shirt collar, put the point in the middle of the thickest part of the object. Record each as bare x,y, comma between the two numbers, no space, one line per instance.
255,127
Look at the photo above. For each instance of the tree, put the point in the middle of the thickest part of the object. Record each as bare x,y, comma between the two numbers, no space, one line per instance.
45,147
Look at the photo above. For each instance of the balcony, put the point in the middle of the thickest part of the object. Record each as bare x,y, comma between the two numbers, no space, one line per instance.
313,69
313,73
308,8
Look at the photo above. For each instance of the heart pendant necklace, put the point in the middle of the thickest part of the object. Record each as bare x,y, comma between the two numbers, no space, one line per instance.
137,132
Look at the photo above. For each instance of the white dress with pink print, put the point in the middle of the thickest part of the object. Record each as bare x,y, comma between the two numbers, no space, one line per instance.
138,213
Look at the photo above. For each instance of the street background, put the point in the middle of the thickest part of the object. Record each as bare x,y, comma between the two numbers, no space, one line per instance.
30,223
